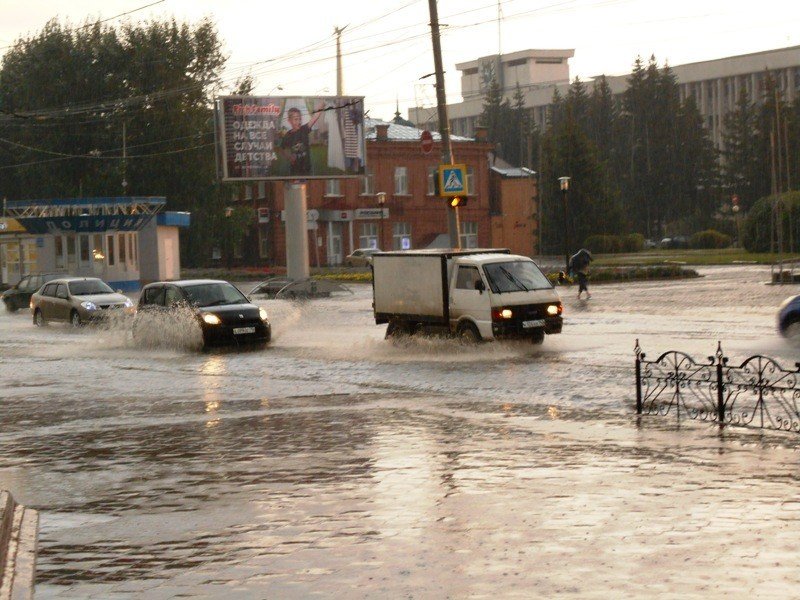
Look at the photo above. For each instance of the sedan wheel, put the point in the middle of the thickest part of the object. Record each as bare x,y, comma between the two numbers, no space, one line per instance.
38,319
75,319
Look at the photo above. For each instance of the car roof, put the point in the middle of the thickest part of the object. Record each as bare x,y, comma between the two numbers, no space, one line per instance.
186,282
70,279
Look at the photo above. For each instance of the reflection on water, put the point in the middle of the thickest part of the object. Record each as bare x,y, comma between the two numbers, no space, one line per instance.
344,465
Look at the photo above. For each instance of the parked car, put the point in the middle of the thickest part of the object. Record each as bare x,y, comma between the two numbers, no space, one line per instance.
223,313
360,258
292,289
76,300
678,242
19,296
789,317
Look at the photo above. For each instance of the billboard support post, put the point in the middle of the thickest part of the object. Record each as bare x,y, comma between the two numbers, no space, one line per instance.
295,205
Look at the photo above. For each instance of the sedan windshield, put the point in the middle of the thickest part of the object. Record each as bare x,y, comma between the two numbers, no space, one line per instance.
214,294
515,276
89,287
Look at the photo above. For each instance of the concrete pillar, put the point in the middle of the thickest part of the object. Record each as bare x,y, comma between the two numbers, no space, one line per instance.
296,231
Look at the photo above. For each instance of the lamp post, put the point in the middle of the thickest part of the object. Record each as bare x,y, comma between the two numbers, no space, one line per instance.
227,238
381,198
735,209
564,183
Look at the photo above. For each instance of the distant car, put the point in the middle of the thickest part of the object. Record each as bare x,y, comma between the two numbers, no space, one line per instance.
789,317
223,313
674,243
650,244
76,300
292,289
360,258
19,296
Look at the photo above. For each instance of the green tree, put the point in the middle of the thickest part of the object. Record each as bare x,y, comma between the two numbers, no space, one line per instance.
68,93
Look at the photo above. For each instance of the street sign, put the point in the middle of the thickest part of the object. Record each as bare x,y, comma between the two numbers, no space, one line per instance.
426,141
453,180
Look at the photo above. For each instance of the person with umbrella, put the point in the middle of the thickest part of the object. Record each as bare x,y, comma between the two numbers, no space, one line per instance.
579,265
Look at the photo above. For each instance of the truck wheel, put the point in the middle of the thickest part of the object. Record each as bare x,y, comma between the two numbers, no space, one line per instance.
538,337
468,333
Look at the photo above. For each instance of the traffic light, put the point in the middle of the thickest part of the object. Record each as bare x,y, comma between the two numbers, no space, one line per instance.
458,201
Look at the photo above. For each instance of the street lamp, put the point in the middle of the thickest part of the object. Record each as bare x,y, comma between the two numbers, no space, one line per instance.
381,198
735,209
564,182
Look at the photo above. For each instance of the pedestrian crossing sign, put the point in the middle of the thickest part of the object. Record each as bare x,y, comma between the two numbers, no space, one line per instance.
453,180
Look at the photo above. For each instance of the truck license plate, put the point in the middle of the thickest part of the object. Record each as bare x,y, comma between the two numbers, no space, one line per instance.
241,330
534,323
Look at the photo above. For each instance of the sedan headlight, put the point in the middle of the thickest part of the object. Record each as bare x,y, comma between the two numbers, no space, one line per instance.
89,305
263,314
128,303
211,319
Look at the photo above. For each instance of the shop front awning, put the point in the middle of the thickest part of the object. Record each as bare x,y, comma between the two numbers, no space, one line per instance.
83,215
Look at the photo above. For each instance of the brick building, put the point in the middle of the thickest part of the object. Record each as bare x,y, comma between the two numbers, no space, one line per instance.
344,215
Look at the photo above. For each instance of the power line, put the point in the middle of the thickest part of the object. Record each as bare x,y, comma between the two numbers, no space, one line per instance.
104,20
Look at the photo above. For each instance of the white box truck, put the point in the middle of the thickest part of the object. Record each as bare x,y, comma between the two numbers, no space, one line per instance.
475,294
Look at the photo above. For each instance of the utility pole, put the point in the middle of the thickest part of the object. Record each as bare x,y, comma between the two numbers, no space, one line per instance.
124,159
339,79
444,124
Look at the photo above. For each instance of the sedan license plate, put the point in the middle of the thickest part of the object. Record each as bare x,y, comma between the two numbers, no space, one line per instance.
534,323
242,330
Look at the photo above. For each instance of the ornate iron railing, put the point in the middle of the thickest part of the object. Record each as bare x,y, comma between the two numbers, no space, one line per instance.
757,393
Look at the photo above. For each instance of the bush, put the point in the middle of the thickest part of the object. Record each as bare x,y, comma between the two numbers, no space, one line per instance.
709,239
633,242
757,227
603,244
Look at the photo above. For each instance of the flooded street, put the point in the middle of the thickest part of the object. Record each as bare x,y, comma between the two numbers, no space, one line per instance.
337,464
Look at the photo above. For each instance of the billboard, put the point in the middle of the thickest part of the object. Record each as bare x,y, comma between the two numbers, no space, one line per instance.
290,137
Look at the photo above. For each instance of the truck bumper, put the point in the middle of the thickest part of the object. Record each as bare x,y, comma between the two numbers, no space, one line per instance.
514,328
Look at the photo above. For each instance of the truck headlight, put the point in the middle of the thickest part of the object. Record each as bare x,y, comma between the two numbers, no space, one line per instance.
554,309
263,314
211,319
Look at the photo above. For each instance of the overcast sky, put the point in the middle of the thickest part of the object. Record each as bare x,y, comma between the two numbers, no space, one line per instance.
387,44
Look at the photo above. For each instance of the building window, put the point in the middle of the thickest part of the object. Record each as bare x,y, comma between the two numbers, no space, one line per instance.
262,189
263,240
131,256
84,249
433,173
369,235
97,247
469,234
60,262
401,236
401,181
110,255
122,255
368,183
471,182
248,192
333,187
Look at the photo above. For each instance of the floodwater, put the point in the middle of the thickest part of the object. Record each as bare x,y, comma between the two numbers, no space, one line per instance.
340,465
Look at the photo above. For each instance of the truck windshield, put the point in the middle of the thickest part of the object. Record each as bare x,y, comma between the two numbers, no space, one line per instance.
515,276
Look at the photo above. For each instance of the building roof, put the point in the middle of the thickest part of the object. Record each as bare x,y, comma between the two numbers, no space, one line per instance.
513,172
403,133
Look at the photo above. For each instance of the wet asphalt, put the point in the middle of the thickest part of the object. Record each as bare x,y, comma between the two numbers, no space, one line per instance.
340,465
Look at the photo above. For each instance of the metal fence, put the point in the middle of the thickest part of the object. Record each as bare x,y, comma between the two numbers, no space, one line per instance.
759,392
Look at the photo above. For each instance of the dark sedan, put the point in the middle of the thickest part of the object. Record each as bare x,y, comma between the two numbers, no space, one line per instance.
19,296
223,313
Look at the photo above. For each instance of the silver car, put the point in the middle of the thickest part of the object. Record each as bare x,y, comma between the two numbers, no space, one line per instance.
77,300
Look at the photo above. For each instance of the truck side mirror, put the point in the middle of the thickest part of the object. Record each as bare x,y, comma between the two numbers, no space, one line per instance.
480,286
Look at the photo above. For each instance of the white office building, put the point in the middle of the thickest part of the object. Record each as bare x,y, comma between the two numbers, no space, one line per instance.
715,84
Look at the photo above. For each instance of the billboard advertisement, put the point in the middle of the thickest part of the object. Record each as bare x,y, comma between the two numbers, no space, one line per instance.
290,137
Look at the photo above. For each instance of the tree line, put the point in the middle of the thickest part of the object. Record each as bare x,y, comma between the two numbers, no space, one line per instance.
642,161
71,97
